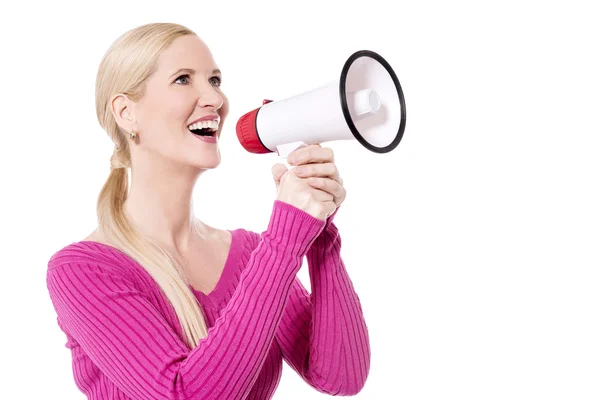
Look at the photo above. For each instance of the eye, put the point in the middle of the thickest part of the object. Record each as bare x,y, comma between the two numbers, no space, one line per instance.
215,80
182,76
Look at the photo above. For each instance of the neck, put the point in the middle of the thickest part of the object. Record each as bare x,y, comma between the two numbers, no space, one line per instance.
160,202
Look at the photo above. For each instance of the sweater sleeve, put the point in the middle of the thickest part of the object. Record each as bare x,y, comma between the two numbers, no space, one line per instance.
132,344
323,335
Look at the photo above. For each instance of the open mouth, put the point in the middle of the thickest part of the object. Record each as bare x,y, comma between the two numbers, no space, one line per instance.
203,132
204,128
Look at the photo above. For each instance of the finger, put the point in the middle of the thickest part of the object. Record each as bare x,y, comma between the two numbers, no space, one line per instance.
292,157
278,170
330,186
302,149
311,154
328,170
322,195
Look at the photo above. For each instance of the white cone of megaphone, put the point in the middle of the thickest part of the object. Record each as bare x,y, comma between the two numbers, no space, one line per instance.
365,103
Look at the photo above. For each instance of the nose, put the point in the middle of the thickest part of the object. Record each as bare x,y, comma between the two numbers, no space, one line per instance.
209,97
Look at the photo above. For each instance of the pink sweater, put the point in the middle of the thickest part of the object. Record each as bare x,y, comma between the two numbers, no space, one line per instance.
126,342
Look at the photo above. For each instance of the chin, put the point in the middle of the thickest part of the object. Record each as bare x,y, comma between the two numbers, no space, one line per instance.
208,162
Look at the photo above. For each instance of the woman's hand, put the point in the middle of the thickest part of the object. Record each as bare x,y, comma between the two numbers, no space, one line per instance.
316,164
297,192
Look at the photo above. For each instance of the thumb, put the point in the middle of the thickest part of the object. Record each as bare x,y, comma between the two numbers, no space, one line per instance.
278,170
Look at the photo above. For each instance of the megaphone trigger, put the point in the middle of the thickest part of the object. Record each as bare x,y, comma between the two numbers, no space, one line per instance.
284,150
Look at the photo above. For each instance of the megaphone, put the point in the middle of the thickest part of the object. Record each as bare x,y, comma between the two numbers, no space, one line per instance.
366,104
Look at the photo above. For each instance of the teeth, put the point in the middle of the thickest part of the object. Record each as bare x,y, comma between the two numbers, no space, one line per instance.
211,124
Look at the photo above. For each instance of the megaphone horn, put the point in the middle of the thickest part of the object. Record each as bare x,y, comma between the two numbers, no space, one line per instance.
366,103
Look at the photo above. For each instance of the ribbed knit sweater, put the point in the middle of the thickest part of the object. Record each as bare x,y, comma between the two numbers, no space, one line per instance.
126,342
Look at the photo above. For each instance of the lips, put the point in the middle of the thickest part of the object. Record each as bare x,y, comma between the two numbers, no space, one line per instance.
207,139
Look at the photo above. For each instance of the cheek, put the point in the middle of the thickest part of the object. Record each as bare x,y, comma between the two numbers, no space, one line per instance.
177,110
166,112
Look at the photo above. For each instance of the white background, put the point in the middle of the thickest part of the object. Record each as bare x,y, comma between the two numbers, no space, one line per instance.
473,246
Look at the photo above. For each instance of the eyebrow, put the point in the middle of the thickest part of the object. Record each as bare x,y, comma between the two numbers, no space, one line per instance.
192,71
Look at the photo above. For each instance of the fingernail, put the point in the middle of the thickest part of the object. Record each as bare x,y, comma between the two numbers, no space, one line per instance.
300,170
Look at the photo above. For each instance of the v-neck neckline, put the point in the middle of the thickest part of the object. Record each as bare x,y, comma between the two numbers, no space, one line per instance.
215,295
224,278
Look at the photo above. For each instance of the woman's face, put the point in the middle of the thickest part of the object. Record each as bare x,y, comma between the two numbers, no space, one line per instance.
185,87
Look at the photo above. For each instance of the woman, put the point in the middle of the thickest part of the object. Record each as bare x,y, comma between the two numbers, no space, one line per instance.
156,304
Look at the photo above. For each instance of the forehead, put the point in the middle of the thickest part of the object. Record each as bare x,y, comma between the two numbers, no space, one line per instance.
187,51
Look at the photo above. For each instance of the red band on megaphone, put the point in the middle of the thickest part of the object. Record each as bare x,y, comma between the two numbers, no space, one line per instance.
247,133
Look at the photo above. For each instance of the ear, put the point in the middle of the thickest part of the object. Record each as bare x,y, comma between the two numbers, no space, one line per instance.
121,108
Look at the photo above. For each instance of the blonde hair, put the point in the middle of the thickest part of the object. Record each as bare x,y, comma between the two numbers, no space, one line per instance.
125,67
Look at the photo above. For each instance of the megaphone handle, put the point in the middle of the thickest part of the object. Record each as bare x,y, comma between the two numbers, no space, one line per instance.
284,150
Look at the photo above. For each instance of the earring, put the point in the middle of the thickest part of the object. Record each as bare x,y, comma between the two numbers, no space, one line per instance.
133,135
